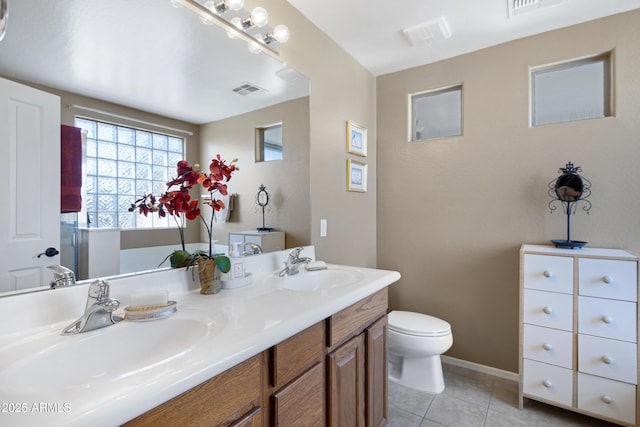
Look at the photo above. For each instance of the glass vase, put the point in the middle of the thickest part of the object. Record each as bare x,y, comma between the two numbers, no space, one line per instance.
209,275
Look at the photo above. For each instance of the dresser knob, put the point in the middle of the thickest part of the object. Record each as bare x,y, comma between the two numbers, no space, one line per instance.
547,383
547,346
607,319
547,310
547,273
606,399
607,279
606,359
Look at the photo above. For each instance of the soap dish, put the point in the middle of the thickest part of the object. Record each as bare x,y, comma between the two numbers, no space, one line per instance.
142,313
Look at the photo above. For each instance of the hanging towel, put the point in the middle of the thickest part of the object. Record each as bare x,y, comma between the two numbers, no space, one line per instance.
70,169
223,214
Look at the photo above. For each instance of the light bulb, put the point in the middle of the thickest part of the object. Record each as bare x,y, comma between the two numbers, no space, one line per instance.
234,4
253,48
259,17
281,33
211,5
236,22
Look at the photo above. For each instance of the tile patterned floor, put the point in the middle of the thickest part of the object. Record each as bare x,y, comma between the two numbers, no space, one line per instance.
472,399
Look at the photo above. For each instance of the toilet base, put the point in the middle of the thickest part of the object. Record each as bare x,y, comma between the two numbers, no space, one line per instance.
420,373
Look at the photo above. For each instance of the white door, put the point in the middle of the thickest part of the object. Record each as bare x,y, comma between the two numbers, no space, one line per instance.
30,170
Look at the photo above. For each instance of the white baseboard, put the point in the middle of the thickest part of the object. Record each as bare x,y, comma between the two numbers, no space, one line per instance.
512,376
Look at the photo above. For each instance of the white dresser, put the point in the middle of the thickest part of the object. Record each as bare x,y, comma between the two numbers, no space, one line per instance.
579,330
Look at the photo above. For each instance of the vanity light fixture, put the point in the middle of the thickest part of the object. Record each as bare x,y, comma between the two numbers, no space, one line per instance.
214,11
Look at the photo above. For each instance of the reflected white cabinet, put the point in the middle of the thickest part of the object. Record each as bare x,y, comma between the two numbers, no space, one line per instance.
269,241
578,330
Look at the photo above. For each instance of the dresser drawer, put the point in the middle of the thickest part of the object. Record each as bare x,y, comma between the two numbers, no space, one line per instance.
609,398
608,358
607,318
548,382
548,309
608,279
548,345
548,273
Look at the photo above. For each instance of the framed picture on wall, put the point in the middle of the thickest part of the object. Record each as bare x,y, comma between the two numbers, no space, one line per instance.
356,176
356,138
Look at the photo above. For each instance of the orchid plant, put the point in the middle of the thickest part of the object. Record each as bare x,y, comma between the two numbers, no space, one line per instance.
177,203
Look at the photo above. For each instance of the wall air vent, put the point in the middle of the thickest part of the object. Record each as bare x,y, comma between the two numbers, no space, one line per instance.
428,32
248,89
517,7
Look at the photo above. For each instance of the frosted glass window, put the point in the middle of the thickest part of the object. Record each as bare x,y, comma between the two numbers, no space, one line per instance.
123,164
436,113
576,90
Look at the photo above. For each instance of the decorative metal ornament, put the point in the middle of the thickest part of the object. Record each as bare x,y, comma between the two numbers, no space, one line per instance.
569,189
263,202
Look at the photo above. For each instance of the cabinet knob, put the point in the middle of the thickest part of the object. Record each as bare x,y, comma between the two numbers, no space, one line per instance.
547,310
606,359
547,383
547,273
606,399
607,279
547,346
607,319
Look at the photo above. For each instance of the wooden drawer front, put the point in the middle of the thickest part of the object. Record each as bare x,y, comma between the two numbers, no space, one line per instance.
301,402
608,358
548,273
608,279
548,309
548,345
354,319
292,357
548,382
607,318
595,392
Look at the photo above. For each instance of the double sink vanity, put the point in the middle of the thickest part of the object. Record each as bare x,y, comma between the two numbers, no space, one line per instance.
306,347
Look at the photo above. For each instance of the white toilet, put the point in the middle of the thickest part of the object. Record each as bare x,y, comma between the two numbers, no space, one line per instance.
415,342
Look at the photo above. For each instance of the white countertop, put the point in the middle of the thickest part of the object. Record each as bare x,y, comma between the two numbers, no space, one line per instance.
239,323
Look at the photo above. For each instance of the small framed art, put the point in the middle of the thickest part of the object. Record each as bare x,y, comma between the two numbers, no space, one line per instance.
356,138
356,176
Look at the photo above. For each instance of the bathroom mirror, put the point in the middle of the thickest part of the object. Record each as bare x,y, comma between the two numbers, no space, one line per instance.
146,55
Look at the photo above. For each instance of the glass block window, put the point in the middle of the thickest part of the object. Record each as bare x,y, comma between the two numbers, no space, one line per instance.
123,164
571,91
436,113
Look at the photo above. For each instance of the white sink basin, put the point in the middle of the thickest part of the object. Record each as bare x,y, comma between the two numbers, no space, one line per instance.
117,351
332,277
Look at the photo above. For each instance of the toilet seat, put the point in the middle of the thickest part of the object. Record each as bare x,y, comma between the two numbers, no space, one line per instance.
417,324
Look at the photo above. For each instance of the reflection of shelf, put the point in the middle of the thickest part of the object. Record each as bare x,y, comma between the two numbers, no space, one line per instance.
269,241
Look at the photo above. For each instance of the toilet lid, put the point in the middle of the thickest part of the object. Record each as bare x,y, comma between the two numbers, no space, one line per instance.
419,324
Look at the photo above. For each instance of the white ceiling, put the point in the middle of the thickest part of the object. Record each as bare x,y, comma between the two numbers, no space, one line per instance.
371,30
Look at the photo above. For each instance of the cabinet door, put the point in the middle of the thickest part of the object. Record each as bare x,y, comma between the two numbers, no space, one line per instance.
377,373
346,394
301,403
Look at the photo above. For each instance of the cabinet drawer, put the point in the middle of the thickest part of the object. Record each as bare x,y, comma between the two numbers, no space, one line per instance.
548,382
608,358
548,273
609,398
548,309
354,319
608,279
548,346
292,357
607,318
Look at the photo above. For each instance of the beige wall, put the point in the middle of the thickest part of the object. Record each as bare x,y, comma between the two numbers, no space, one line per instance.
287,180
453,213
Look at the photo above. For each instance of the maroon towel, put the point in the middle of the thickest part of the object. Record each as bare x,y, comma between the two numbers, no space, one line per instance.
71,169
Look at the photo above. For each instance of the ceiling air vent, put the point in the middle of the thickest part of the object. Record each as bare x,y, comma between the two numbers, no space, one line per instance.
248,89
428,32
522,6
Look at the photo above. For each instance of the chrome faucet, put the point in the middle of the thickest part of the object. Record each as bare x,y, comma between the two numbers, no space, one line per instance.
293,263
62,276
98,311
255,248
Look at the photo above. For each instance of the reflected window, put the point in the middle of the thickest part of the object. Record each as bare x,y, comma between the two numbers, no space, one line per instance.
436,113
269,143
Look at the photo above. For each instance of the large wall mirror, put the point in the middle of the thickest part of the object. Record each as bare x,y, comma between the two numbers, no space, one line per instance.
150,56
